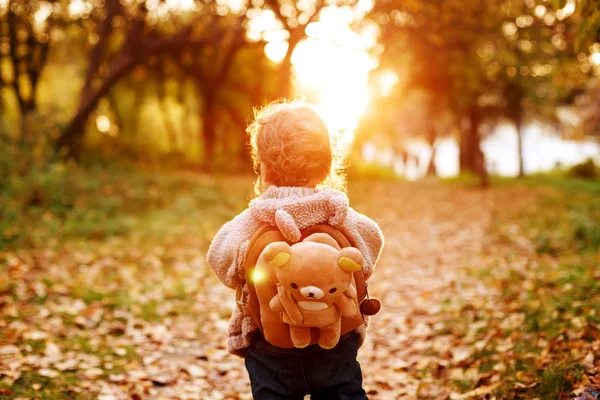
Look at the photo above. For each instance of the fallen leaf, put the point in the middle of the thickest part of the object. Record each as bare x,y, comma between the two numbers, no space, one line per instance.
500,367
35,335
588,363
67,365
49,373
116,377
52,350
9,349
163,379
93,373
196,371
522,385
120,351
461,353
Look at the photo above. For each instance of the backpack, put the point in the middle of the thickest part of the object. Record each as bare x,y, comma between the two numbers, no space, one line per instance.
279,327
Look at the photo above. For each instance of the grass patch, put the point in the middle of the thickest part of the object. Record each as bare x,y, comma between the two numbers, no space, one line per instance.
540,310
557,381
361,170
462,384
33,385
558,180
63,202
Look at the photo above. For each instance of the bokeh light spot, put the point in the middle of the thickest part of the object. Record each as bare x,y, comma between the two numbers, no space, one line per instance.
103,123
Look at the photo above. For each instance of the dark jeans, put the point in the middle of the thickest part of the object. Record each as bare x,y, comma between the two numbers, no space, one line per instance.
277,374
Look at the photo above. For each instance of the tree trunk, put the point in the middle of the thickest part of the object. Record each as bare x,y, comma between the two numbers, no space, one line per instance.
113,9
469,143
286,68
139,91
471,156
240,152
186,126
209,135
431,168
112,101
69,143
514,94
482,169
518,127
132,52
24,127
170,126
285,76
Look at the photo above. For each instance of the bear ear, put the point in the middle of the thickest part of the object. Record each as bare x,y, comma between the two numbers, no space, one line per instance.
322,238
277,254
350,259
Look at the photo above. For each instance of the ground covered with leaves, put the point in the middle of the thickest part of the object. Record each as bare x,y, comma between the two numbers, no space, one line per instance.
487,293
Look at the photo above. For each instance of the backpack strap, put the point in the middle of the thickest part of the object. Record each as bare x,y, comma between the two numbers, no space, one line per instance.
262,237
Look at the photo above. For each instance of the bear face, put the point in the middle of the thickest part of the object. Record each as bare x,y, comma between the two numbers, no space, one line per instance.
313,276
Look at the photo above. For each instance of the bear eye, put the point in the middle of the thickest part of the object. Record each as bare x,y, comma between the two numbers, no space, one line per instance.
332,290
294,285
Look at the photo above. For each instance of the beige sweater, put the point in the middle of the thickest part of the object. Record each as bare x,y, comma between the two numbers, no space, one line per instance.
290,209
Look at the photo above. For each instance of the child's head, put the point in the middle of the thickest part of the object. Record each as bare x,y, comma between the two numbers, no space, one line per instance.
291,146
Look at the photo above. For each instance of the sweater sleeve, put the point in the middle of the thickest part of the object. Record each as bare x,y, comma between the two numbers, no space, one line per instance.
368,237
226,252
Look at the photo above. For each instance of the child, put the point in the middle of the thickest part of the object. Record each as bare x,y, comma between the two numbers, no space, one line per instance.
298,187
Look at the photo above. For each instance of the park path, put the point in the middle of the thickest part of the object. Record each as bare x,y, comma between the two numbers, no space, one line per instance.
430,231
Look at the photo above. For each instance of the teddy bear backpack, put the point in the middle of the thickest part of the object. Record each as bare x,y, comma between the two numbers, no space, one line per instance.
309,292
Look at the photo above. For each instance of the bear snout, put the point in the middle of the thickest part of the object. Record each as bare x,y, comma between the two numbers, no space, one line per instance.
312,292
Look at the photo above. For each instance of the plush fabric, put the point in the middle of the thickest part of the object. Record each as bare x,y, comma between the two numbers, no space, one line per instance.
290,209
307,285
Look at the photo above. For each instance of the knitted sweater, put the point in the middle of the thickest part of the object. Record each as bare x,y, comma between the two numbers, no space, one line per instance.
290,209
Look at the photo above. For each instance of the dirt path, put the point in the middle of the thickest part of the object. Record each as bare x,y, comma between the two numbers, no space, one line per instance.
430,232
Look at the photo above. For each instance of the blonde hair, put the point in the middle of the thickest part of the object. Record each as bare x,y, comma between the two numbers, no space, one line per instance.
291,142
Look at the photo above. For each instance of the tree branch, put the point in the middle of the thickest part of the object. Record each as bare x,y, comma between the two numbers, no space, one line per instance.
123,63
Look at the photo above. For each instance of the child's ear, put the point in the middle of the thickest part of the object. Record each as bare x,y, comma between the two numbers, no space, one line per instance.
350,259
277,254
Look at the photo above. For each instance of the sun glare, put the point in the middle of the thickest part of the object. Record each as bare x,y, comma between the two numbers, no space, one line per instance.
337,77
331,66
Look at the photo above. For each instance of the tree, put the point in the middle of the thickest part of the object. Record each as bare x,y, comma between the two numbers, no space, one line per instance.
141,40
490,61
435,43
588,110
26,27
294,16
587,31
210,73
